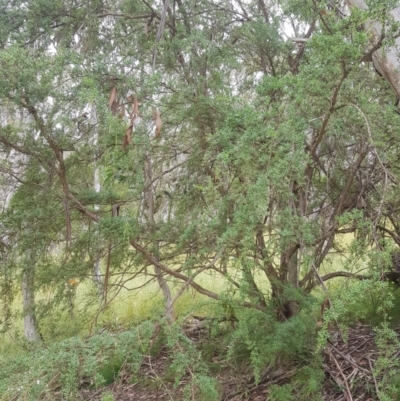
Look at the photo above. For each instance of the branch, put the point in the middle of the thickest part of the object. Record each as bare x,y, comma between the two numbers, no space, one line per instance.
23,150
295,63
393,276
127,16
300,40
344,274
160,32
164,173
153,260
190,280
59,156
333,100
393,234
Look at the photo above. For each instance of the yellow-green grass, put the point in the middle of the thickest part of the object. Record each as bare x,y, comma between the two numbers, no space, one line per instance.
128,307
133,305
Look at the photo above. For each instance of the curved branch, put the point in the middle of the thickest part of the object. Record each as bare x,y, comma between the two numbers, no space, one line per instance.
393,276
153,260
393,234
344,274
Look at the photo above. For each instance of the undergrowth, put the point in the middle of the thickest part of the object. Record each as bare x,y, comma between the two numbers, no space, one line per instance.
70,364
237,340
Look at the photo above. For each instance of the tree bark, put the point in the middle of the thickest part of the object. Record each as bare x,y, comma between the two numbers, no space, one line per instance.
97,277
386,61
28,299
169,310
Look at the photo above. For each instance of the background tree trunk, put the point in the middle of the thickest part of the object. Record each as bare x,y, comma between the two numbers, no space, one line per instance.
28,298
386,61
150,195
97,277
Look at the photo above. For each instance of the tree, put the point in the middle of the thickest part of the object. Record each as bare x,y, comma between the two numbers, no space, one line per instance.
268,141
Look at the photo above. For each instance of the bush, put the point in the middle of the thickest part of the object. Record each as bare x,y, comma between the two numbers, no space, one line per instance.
69,364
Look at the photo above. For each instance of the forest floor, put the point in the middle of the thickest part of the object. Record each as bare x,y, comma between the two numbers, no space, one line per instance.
347,362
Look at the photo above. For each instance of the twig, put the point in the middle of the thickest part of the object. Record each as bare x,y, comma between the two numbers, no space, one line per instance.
337,381
374,378
95,394
190,279
345,357
359,346
157,377
353,373
350,398
55,377
280,375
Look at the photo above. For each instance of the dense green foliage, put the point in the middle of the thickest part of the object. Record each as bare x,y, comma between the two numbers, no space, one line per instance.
142,142
67,365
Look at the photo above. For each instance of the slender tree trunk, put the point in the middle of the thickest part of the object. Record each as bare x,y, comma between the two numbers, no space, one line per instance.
28,299
150,195
97,276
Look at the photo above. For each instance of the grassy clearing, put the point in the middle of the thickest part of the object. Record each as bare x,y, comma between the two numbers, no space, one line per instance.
128,308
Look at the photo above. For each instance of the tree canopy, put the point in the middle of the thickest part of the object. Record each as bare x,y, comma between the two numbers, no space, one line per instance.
234,138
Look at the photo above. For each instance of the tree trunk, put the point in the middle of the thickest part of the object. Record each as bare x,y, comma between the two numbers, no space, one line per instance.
28,299
169,311
97,277
289,273
290,263
292,306
293,269
386,61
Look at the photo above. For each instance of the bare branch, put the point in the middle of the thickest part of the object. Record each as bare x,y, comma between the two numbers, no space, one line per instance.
343,274
153,260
